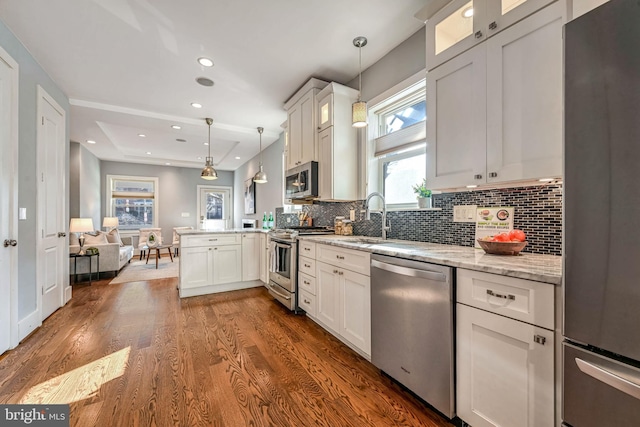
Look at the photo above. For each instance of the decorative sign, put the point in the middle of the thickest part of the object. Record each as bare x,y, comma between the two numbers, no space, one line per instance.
490,221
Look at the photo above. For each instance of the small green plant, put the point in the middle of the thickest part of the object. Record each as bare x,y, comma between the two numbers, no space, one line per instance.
421,189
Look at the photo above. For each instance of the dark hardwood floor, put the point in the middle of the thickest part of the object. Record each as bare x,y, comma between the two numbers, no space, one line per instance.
134,354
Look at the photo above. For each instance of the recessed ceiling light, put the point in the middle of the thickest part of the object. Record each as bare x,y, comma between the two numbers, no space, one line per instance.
237,157
142,135
196,105
204,81
90,141
168,164
149,152
181,140
205,62
176,127
468,12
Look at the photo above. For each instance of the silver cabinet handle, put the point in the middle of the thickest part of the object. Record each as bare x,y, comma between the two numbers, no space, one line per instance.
306,283
62,234
339,257
478,34
614,380
307,249
307,302
307,265
508,296
11,242
539,339
478,176
213,240
493,25
493,175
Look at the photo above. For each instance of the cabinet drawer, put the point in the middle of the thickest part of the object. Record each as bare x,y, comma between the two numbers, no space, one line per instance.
348,259
307,249
307,265
210,240
307,302
524,300
307,283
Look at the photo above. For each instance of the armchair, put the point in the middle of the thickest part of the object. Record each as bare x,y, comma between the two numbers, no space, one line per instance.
144,236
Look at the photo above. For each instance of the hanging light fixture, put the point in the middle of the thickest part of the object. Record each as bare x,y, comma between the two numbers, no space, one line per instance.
260,177
359,108
208,172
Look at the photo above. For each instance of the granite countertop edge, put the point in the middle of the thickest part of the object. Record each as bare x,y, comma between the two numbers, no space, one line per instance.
536,267
230,231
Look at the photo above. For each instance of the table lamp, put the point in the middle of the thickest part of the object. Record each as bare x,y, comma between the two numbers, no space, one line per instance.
81,225
110,222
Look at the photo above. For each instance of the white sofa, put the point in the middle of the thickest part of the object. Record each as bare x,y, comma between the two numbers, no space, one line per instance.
112,257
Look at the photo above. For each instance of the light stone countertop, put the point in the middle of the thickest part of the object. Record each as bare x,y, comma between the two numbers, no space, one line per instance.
230,231
540,268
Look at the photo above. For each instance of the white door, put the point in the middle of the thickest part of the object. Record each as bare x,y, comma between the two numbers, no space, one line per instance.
8,201
53,247
215,211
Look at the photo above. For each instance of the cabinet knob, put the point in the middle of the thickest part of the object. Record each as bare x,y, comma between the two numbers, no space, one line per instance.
307,302
493,174
478,34
335,271
10,242
493,25
478,176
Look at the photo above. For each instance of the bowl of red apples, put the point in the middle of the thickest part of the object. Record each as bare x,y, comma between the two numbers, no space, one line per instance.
508,243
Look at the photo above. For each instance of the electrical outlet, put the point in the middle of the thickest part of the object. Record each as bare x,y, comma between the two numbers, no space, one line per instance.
464,213
186,214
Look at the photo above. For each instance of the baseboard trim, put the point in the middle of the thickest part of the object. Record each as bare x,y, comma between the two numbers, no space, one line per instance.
67,294
29,324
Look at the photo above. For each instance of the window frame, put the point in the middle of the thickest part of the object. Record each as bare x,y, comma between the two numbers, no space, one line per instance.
417,151
110,210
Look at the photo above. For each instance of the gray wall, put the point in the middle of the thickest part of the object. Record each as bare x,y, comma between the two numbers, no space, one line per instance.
269,194
84,184
178,190
31,75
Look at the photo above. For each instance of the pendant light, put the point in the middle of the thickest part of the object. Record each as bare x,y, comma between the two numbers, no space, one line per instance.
260,177
359,108
208,172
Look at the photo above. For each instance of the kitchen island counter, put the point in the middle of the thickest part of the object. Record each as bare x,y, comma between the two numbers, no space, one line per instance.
231,230
540,268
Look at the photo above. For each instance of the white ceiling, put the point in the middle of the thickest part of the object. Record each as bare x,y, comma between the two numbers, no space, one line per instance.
129,66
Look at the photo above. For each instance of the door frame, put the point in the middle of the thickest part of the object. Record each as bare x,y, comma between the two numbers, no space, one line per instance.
66,291
12,158
215,187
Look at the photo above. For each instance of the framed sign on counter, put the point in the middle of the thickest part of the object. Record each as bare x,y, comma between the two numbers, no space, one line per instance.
492,221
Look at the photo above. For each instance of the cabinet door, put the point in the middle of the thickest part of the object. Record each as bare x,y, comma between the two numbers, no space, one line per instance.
524,105
504,13
325,164
453,29
196,267
325,112
504,378
250,257
328,296
227,264
456,129
355,325
294,135
263,258
307,149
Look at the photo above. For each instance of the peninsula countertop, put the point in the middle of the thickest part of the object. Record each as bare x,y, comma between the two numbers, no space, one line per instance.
540,268
229,231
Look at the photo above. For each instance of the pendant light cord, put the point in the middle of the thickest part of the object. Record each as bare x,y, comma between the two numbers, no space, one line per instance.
360,74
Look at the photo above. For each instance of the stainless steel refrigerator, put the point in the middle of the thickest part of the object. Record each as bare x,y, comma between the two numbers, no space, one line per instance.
601,350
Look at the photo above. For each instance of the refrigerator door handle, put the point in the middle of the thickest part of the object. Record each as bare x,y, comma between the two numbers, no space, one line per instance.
614,380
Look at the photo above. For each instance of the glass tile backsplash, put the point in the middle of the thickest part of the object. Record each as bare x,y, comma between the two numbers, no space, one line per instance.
537,211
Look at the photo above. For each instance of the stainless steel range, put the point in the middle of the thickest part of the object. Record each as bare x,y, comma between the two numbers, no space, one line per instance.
283,263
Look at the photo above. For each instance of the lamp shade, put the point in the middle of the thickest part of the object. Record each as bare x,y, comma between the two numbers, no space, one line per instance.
110,221
359,114
81,225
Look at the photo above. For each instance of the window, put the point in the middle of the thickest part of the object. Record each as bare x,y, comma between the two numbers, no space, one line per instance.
214,207
133,200
399,148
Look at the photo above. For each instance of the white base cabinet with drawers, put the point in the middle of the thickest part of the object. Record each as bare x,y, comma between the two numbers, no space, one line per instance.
338,296
505,351
212,263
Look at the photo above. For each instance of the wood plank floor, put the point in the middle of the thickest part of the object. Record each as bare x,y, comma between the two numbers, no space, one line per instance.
134,354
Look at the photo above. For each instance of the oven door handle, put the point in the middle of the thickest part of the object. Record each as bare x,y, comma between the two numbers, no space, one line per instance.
287,297
629,386
283,246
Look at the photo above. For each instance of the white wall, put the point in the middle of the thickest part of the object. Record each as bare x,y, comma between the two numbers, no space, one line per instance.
84,184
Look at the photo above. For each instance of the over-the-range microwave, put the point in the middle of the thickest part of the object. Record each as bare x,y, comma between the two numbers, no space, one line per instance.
301,182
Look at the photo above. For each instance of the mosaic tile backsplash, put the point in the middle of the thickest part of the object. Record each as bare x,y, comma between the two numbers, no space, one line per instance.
537,211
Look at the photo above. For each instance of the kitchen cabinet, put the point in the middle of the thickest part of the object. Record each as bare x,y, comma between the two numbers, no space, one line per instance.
343,298
264,258
505,366
250,256
462,24
300,144
580,7
496,109
227,264
337,144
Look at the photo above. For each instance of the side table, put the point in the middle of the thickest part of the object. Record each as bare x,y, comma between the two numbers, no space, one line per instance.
75,265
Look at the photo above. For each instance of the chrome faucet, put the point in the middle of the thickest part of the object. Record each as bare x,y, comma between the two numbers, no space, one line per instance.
367,212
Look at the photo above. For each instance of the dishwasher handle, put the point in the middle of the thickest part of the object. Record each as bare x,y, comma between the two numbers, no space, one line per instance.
406,271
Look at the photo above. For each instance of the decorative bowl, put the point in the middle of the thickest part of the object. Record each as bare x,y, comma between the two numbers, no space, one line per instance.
502,248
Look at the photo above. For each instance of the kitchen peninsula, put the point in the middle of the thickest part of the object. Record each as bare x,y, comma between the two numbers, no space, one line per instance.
213,261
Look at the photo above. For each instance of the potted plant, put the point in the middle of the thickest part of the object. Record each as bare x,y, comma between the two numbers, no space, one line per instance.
423,194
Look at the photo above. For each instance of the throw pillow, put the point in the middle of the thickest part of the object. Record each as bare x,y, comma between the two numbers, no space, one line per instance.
90,240
114,237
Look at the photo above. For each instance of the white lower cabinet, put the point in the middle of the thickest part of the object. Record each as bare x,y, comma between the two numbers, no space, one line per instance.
227,264
196,267
505,367
250,256
343,300
264,258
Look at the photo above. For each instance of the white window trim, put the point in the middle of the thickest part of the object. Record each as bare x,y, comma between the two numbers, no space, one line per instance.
401,156
156,198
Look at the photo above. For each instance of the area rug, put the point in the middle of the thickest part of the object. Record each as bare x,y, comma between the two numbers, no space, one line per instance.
137,270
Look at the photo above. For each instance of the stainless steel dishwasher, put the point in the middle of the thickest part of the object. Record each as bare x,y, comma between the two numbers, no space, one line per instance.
412,327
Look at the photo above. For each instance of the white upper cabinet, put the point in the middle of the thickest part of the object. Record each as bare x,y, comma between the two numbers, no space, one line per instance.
495,111
462,23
